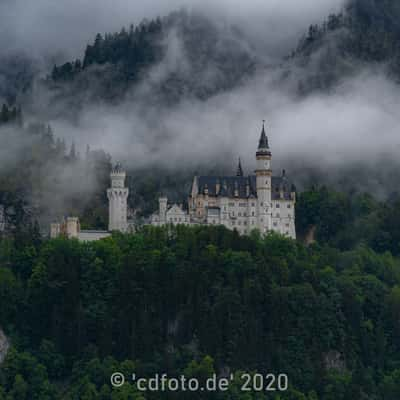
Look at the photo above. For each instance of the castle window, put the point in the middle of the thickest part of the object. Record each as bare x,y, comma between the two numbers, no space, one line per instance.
261,204
289,206
239,214
275,224
278,206
253,204
287,225
253,214
277,215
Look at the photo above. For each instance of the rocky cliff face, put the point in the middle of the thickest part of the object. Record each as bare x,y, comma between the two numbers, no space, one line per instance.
4,345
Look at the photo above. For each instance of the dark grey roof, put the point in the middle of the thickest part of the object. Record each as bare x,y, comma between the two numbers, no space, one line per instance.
228,185
239,171
263,143
263,146
282,182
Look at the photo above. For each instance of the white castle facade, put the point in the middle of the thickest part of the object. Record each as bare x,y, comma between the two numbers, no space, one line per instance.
260,201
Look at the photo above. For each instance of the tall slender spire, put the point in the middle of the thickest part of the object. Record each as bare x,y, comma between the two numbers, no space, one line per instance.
263,146
263,143
239,171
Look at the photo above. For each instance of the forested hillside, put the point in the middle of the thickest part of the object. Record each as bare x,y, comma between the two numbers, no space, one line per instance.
324,309
187,54
165,60
365,34
211,59
194,301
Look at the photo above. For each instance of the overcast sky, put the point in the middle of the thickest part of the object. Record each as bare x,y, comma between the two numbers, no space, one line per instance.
48,26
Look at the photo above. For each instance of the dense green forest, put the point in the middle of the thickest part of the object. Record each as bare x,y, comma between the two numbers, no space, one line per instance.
194,301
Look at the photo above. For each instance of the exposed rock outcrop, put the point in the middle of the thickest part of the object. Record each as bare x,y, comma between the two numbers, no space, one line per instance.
4,346
310,236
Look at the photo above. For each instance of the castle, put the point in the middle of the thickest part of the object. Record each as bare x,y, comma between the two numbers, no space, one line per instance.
261,201
244,203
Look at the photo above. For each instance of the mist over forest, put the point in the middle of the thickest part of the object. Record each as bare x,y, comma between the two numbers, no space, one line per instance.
187,89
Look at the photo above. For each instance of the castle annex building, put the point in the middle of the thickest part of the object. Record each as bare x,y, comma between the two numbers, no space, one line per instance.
118,220
260,201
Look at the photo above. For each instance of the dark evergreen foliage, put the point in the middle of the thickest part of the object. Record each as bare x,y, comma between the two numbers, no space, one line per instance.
194,301
210,59
365,34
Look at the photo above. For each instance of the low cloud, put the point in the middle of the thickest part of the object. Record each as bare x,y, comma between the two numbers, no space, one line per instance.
356,123
47,27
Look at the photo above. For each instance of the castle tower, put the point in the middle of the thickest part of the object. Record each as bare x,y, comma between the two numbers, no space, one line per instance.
72,227
163,205
263,182
117,198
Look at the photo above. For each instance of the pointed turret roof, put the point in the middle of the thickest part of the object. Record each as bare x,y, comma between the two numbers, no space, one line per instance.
263,146
263,143
239,171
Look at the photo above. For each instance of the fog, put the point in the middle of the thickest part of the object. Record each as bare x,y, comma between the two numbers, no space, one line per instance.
327,130
49,28
355,123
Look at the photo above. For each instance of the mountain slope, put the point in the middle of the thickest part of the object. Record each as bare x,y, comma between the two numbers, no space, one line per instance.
181,55
365,34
